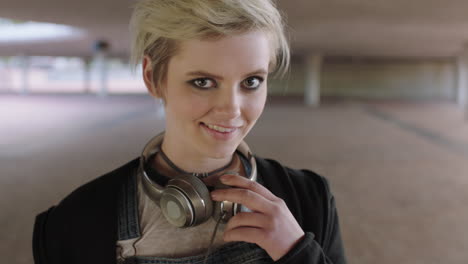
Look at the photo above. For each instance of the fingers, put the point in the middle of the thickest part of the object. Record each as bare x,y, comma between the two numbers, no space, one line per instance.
256,220
242,182
248,198
249,193
271,225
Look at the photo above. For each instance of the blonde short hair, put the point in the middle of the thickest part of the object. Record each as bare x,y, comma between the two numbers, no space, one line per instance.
156,26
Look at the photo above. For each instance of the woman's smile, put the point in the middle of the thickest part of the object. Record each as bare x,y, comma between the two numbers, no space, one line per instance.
219,132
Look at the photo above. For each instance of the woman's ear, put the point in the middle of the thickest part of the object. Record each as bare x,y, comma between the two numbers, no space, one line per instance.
148,77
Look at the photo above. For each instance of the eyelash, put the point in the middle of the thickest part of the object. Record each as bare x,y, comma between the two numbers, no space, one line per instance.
193,83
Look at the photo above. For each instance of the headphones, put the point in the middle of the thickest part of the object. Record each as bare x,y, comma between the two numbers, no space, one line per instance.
185,200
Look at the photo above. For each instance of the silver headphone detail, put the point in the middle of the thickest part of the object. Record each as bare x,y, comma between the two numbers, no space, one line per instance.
185,200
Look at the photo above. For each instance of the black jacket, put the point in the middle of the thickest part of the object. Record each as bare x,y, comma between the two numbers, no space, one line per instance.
82,228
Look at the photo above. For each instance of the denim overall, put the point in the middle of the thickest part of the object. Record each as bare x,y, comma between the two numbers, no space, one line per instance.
230,253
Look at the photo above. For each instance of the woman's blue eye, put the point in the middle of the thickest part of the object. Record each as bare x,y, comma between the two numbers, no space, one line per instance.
204,83
252,82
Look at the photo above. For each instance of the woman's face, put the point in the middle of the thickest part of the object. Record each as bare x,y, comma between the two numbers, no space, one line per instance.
214,92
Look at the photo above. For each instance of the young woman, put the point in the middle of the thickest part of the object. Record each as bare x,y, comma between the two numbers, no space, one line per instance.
197,194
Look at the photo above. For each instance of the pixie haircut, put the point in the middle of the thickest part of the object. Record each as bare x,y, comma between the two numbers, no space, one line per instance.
157,26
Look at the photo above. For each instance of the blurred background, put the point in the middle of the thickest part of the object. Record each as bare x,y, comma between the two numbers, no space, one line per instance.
376,101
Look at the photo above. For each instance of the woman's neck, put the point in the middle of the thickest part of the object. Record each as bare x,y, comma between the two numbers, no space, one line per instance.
236,165
184,160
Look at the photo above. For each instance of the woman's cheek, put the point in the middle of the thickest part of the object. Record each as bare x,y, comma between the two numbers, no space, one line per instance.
256,105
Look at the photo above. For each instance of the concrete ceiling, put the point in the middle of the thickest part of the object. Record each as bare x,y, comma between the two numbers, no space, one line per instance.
397,28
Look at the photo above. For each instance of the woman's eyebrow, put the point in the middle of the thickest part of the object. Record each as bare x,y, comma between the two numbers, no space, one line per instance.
214,76
257,72
204,73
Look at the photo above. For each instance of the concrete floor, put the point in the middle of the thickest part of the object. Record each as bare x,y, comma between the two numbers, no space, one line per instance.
399,171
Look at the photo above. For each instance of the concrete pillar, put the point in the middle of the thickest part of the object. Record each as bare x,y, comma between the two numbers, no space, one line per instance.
101,61
24,74
462,83
3,74
462,70
101,48
87,74
6,82
313,70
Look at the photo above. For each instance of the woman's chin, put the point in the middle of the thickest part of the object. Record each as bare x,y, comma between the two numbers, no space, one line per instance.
221,153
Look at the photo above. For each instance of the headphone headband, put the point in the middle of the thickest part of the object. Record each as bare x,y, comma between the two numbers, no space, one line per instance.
155,190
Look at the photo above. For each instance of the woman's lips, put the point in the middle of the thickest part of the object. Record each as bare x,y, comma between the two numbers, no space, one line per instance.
219,132
221,128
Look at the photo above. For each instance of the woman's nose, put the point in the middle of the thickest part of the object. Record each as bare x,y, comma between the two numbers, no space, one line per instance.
229,102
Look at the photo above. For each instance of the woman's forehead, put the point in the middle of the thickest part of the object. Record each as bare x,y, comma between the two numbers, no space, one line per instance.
250,51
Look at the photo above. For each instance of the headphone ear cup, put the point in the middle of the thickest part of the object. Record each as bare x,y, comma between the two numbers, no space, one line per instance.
186,201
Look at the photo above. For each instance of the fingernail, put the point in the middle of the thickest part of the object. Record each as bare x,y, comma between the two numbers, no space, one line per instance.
214,196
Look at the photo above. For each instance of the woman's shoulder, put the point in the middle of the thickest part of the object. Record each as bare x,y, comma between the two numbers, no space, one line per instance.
301,178
102,185
94,193
306,193
82,214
